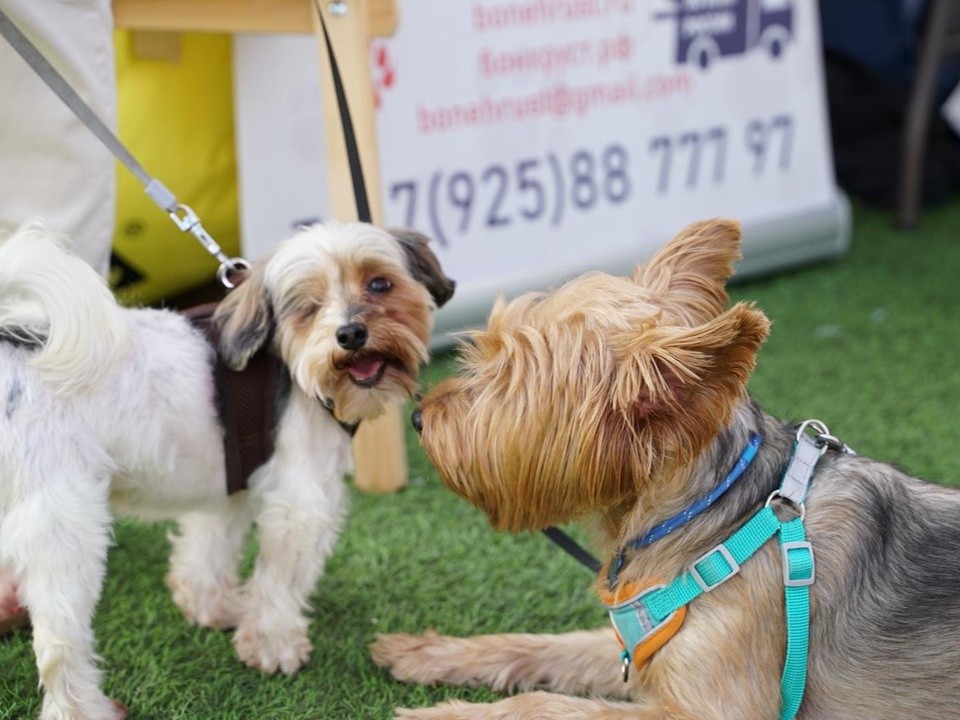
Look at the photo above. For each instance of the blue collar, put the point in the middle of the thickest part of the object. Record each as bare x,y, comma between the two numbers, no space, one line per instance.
691,511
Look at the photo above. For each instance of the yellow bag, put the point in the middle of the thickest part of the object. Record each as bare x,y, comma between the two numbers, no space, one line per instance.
176,116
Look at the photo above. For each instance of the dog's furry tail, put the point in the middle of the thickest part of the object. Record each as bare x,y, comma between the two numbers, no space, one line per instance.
52,299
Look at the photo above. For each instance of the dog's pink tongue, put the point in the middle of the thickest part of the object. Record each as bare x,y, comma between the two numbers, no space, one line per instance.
365,369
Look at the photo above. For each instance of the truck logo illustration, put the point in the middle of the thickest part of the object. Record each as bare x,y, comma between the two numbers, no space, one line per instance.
711,29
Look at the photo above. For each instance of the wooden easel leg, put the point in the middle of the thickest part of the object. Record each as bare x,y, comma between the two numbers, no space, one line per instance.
380,453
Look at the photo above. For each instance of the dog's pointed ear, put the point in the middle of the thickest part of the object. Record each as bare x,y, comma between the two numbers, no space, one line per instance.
681,384
423,264
244,319
689,274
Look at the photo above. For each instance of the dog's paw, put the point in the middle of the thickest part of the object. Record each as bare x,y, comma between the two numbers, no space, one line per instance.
271,649
419,659
208,604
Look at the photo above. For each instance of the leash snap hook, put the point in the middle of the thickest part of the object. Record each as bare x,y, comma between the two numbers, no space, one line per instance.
821,434
186,220
183,217
823,438
832,442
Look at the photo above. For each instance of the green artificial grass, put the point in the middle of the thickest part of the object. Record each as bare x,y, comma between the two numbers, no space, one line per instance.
867,344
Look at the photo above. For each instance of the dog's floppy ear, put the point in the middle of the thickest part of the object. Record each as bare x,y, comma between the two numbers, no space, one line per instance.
682,383
688,275
423,264
244,320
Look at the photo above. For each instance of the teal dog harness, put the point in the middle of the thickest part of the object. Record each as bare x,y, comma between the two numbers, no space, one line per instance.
649,616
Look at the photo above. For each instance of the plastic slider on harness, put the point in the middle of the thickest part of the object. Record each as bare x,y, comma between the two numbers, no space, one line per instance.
713,568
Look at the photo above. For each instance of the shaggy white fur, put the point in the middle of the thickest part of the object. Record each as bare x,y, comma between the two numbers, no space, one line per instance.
104,407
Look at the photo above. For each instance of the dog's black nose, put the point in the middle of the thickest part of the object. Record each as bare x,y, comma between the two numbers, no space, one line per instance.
352,336
416,419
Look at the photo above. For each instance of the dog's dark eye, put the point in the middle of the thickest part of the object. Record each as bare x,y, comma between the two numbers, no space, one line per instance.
379,285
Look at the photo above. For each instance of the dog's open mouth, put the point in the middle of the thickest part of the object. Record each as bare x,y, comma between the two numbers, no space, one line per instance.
367,370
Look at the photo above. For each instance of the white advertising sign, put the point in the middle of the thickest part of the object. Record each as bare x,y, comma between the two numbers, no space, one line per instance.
534,139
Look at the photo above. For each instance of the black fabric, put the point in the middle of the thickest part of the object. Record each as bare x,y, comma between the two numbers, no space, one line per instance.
866,124
573,548
247,402
349,138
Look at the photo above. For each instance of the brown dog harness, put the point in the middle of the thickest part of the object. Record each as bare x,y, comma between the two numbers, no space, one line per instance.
248,403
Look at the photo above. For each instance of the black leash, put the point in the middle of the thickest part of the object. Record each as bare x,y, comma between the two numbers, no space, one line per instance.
349,137
572,548
564,541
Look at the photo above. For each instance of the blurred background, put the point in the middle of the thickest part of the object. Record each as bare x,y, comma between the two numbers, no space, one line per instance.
531,139
547,144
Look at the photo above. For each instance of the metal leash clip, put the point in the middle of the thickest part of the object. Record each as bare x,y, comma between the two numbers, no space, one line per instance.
832,442
187,220
821,431
182,215
823,439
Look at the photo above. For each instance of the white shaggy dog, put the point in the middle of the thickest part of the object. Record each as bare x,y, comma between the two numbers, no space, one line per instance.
103,406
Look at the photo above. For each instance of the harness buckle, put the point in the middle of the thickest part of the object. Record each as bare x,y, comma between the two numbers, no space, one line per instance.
733,567
798,558
639,631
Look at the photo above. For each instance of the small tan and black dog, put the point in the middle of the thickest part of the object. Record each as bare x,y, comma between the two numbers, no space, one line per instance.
625,398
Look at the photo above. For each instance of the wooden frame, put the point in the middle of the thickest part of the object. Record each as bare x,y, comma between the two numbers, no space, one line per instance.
240,16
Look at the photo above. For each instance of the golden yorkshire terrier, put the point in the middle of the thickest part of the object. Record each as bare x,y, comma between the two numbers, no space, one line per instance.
625,399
